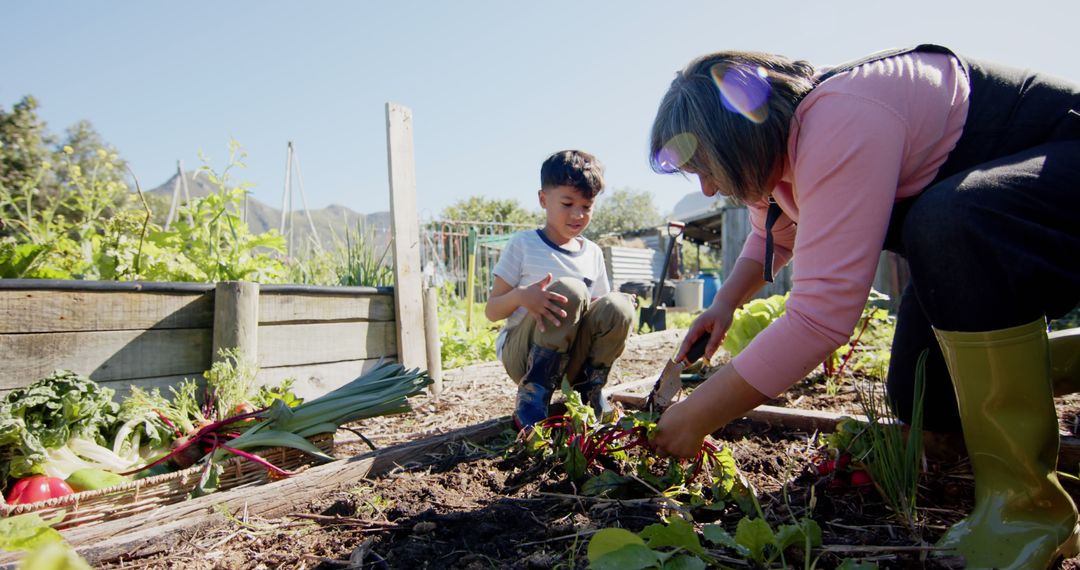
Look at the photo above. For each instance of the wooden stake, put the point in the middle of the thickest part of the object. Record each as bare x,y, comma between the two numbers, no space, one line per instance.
408,294
434,344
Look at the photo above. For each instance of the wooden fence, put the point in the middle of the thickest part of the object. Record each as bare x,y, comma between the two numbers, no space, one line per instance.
156,334
447,249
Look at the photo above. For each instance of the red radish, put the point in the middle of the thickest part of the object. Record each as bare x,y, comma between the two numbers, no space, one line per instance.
861,478
825,467
37,488
843,461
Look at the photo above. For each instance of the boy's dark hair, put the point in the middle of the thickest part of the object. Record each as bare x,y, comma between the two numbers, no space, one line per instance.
573,168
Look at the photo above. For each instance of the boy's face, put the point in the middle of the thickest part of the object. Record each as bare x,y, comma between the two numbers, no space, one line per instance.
568,212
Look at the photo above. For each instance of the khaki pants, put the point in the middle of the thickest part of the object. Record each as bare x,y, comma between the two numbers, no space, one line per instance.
594,331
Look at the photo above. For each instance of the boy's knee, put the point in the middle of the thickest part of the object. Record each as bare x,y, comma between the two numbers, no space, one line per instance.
574,290
616,308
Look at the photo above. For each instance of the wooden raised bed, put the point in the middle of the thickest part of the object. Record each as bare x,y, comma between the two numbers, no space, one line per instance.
150,335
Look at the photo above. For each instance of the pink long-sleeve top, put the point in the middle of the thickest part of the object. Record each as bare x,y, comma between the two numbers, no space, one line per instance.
860,141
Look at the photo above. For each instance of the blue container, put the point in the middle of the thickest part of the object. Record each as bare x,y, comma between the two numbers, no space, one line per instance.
712,284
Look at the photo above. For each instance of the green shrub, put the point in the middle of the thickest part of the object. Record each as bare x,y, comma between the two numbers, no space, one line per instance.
463,344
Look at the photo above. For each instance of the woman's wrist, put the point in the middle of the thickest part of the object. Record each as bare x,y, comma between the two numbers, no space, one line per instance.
724,397
724,303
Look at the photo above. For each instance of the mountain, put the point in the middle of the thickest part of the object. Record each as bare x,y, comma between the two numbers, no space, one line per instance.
330,222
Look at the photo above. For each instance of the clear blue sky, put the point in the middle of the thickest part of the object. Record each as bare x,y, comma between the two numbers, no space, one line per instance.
494,86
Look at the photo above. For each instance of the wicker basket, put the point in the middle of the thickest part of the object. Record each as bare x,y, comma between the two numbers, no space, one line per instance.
142,495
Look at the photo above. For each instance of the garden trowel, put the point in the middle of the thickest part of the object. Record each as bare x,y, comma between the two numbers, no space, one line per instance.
669,384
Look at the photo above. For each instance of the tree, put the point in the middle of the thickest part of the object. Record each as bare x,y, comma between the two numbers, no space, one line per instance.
24,154
81,178
621,210
479,209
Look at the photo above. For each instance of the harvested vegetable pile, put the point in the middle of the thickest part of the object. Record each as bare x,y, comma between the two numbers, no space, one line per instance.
65,434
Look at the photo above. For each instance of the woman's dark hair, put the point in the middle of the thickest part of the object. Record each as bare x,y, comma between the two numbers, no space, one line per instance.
573,168
727,117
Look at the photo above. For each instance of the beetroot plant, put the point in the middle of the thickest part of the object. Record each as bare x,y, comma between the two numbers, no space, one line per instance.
616,459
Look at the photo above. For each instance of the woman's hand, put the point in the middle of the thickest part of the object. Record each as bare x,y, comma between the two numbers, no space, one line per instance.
724,397
677,434
714,322
541,304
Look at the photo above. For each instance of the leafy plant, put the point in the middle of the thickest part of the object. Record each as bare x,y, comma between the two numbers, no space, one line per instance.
56,217
45,416
681,320
751,319
44,546
616,459
460,345
26,532
677,544
216,243
362,266
895,460
755,540
880,447
869,347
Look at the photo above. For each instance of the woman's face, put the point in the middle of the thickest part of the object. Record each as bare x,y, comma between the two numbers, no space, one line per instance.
709,187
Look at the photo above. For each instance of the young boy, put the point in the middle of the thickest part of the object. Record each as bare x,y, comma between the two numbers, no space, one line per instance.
552,288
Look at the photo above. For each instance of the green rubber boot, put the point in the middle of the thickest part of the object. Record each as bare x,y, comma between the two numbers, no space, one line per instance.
1022,517
1065,361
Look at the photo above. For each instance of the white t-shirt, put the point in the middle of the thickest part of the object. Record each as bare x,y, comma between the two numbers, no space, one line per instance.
529,256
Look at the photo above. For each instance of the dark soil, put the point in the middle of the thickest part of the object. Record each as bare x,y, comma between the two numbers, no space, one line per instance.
475,506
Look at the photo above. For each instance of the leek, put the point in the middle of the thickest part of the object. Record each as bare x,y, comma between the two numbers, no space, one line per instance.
383,390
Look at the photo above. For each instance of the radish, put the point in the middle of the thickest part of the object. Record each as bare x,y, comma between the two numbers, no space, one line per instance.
860,478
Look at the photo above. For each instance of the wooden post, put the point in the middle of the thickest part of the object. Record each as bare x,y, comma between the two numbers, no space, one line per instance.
408,294
434,344
236,319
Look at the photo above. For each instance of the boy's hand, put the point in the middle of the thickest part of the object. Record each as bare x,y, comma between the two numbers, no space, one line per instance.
541,303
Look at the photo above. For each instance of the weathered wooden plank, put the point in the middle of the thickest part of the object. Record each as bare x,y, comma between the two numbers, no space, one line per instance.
297,308
408,294
79,285
292,345
314,380
33,311
141,535
104,356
